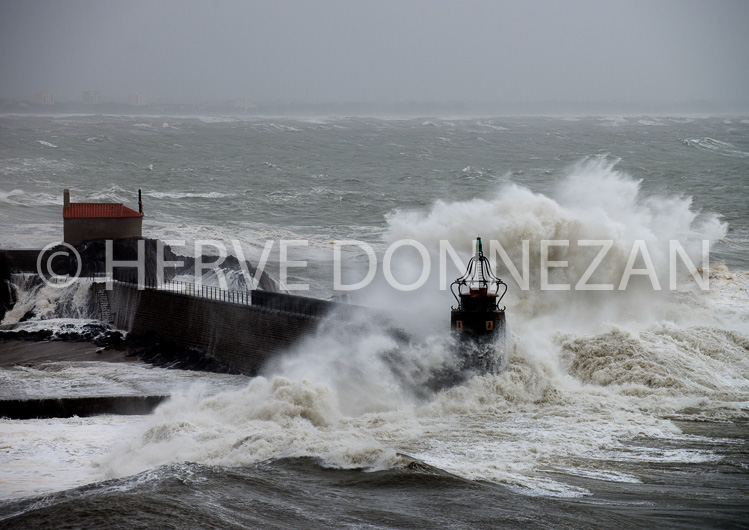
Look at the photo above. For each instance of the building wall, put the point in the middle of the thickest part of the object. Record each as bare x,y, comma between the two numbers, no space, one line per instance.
77,231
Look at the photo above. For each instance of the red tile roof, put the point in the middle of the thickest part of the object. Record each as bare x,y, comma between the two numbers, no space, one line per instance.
88,210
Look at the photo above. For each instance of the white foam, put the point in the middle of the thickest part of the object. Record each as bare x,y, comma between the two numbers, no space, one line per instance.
586,379
188,194
267,126
7,196
507,429
93,378
563,402
613,121
266,420
33,166
718,147
619,213
48,301
491,126
21,198
218,119
42,456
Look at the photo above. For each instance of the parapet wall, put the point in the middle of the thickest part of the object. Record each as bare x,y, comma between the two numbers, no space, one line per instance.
242,337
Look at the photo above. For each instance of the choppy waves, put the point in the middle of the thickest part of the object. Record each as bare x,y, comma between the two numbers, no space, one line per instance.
565,402
717,147
584,381
588,375
188,195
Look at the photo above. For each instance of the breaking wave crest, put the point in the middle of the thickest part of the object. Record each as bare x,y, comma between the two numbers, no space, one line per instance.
662,359
269,419
586,374
594,202
715,146
20,198
39,301
188,195
571,403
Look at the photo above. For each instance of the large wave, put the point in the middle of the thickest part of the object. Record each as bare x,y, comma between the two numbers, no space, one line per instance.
587,373
593,202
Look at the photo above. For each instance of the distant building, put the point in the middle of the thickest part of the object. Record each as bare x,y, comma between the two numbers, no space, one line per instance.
45,98
91,97
84,221
137,100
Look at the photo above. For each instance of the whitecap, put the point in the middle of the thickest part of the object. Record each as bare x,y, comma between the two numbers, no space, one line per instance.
188,195
6,196
718,147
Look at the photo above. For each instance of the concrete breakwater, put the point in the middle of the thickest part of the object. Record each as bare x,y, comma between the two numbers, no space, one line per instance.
237,331
24,409
241,334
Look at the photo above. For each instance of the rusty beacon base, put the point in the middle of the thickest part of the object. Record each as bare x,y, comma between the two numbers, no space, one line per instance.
477,321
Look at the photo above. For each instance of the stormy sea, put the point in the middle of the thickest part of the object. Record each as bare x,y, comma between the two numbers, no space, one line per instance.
624,405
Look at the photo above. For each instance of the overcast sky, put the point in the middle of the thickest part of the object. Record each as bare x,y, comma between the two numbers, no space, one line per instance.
384,51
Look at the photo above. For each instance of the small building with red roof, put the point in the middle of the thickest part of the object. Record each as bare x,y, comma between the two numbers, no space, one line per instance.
85,221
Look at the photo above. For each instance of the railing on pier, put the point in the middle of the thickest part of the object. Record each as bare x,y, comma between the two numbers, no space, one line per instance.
208,292
274,301
25,262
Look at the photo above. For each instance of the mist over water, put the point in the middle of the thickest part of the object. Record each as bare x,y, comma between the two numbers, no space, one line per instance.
601,392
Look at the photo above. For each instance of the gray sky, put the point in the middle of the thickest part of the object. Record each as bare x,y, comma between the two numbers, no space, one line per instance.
377,50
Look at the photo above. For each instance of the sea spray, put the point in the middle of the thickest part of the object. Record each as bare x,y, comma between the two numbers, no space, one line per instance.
369,364
562,404
588,375
269,419
37,300
540,427
664,360
595,202
510,429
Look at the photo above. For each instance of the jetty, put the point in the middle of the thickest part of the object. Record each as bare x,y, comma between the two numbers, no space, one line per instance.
238,331
166,323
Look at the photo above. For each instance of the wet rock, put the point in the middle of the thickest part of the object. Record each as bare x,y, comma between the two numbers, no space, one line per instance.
168,355
28,315
24,409
7,300
96,332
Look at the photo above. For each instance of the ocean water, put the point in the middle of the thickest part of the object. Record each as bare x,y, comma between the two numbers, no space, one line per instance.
624,406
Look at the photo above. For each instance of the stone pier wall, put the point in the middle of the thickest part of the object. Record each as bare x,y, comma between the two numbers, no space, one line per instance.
242,337
238,335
